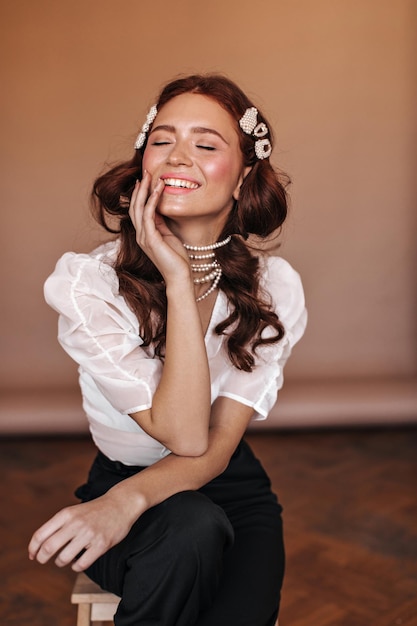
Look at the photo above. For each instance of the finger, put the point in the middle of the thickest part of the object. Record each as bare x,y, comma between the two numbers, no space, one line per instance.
152,202
133,200
134,192
88,557
44,532
72,551
140,192
145,226
54,545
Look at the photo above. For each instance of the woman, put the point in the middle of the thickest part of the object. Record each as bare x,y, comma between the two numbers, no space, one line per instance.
181,332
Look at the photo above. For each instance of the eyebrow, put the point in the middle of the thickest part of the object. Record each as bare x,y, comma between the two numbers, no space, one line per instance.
198,130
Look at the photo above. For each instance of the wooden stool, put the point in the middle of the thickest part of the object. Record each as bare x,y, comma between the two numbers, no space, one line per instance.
94,604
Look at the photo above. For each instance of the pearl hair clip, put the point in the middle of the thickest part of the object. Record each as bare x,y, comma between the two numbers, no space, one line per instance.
249,124
149,119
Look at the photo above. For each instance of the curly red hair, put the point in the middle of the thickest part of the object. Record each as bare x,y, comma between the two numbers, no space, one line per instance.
260,210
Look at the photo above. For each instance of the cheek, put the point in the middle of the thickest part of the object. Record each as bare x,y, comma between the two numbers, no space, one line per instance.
147,161
223,171
152,159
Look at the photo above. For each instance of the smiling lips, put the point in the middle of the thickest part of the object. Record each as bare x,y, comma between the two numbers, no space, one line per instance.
180,183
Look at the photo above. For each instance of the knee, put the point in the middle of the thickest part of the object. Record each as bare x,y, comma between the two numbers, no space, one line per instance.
195,522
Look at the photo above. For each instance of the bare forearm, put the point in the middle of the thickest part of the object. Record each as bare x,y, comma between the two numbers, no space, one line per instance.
165,478
173,474
182,401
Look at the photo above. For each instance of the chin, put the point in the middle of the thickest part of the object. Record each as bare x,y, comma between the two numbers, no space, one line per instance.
174,209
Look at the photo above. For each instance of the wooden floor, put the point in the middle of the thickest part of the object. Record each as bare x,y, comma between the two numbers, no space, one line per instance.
350,502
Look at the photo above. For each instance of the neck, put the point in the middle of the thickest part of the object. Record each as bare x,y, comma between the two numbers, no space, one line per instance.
195,234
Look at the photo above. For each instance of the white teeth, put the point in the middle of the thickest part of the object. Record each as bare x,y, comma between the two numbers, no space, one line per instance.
179,182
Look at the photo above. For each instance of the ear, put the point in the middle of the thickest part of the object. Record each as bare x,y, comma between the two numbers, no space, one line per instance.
245,171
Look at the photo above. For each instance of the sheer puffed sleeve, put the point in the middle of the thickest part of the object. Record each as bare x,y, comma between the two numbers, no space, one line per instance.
99,331
259,388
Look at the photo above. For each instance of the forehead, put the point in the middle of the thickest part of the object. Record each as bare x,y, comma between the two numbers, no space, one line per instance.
192,109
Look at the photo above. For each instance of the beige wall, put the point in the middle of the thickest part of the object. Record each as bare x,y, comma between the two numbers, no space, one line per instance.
337,79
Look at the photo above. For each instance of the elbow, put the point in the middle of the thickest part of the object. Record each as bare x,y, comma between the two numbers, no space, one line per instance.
190,448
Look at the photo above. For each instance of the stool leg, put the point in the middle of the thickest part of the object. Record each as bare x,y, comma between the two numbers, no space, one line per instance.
84,614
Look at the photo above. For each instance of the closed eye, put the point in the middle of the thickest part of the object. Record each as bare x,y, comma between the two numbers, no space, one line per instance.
205,147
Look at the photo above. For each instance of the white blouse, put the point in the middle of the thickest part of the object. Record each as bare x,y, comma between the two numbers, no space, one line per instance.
119,376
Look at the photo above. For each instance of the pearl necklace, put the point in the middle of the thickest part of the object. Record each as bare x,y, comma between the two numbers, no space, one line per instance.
211,246
213,268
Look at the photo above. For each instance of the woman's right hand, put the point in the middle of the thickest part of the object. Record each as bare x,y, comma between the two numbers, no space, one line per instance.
152,233
82,533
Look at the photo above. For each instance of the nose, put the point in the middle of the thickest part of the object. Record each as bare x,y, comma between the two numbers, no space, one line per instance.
179,154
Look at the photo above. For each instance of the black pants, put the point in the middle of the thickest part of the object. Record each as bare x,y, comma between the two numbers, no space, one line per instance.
212,557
